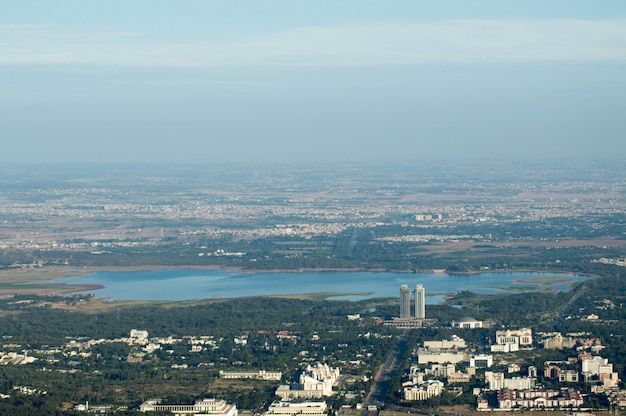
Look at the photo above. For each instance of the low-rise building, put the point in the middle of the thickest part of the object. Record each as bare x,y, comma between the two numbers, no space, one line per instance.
569,376
441,370
423,391
455,378
254,375
408,323
513,368
211,407
515,383
302,407
598,369
553,341
315,382
467,323
523,337
454,343
481,361
138,336
504,347
15,358
425,356
497,381
536,399
552,372
592,365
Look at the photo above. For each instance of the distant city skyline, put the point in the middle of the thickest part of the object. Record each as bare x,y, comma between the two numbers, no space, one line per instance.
208,82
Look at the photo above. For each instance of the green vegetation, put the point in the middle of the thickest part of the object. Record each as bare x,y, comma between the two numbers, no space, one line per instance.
315,330
507,218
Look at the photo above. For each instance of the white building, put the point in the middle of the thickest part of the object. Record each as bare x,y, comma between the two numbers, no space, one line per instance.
211,407
553,341
481,361
441,370
454,378
515,383
504,347
537,399
444,351
323,372
425,356
315,382
14,358
599,369
424,391
522,337
592,365
569,376
138,337
254,375
420,302
467,323
407,323
453,343
513,368
308,408
405,302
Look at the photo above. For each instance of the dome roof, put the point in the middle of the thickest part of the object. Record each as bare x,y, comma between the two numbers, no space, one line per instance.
466,319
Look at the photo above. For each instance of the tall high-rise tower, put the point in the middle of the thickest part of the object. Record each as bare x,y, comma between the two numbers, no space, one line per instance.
420,302
405,302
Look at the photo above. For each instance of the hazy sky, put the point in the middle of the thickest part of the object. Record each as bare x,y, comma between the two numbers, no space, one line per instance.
285,80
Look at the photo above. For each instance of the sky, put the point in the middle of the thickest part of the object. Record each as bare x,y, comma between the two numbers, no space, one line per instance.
202,81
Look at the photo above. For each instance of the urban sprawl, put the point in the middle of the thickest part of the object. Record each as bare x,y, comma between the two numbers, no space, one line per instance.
300,355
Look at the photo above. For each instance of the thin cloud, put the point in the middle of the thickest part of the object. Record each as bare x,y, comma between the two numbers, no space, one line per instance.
351,45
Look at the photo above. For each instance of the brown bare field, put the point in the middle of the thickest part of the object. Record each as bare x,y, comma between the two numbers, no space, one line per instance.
14,282
220,386
233,384
20,276
33,282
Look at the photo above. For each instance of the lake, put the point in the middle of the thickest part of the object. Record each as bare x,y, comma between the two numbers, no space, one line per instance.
190,284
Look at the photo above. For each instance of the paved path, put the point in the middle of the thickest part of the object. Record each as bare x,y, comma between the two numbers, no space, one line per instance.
382,379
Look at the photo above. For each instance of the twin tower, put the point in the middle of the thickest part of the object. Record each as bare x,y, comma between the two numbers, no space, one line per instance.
405,302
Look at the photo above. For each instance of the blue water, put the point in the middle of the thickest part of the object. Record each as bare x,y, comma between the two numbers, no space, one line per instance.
189,284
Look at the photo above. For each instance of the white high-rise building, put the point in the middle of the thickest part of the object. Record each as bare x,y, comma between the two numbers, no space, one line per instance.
405,302
420,302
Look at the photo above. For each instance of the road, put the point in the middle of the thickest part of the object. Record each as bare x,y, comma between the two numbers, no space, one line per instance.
382,379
